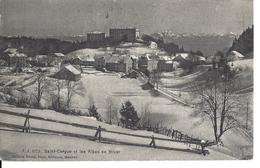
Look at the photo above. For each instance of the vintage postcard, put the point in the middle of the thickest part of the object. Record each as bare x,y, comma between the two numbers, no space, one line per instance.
126,80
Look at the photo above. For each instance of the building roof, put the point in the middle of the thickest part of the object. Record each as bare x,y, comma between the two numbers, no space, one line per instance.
68,72
72,69
85,58
164,58
182,55
11,50
122,28
95,32
134,57
211,58
169,62
41,57
85,54
236,54
116,58
58,54
201,58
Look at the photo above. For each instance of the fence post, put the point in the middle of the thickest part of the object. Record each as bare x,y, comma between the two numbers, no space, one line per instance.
176,135
27,126
152,143
98,134
173,131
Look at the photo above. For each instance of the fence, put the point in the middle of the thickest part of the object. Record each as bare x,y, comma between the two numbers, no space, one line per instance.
176,136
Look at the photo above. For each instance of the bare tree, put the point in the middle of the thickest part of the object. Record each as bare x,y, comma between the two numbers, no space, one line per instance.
73,88
56,97
41,86
145,116
217,102
155,78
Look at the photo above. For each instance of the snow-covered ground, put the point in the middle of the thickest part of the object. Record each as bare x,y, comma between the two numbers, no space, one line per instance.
99,86
172,114
14,144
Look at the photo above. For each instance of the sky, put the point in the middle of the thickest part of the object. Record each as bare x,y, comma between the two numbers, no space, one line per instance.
77,17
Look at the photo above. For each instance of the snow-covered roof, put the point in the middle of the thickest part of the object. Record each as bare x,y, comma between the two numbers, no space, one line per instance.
86,58
213,57
38,57
134,57
68,72
13,52
95,32
72,69
115,58
201,58
58,54
169,62
84,54
183,55
10,50
236,54
165,58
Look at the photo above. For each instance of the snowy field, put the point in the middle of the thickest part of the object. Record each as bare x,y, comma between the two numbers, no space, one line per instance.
86,150
98,86
172,114
13,149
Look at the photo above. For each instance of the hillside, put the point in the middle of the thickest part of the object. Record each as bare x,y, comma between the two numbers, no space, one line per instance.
244,43
50,146
208,44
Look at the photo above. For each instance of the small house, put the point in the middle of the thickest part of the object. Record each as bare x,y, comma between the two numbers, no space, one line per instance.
100,62
181,57
13,57
41,60
165,64
55,58
68,72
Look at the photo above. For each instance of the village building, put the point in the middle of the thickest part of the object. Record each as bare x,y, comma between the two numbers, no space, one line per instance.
95,36
55,59
100,62
81,60
143,62
212,59
67,72
14,58
165,64
135,61
122,34
40,60
196,59
235,55
119,63
180,57
184,59
147,62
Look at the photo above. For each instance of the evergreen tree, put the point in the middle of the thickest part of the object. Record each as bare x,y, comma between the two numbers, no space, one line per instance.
93,112
129,115
245,42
